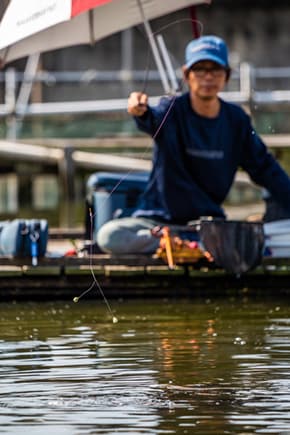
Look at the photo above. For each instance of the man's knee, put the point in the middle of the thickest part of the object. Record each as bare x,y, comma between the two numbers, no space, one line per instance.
126,236
109,237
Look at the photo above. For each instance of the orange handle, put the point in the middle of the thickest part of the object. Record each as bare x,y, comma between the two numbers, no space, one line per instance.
168,247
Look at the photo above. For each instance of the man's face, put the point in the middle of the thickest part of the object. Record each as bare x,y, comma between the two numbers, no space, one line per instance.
206,79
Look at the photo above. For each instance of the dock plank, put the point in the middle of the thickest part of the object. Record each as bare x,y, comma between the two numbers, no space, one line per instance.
10,270
124,271
84,269
164,270
42,270
133,277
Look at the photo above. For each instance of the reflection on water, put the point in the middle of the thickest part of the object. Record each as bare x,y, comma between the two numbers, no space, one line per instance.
202,367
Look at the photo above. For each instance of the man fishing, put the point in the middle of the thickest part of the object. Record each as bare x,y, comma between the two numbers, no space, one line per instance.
200,141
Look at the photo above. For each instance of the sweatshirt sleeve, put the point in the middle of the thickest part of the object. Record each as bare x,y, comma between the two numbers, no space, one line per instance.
263,168
154,117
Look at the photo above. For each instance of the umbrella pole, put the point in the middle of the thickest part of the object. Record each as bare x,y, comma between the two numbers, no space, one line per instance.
154,48
195,28
168,64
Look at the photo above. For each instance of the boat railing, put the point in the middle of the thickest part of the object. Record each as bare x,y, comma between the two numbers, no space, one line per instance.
247,88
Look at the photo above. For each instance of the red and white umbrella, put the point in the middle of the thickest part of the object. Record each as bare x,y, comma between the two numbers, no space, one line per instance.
35,26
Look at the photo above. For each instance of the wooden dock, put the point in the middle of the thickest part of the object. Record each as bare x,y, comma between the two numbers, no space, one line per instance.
134,277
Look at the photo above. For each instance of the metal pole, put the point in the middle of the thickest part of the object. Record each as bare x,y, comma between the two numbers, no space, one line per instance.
154,49
168,63
196,26
66,171
127,61
246,83
26,85
246,79
10,101
25,90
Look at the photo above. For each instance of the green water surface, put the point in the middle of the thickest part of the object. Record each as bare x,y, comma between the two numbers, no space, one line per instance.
166,367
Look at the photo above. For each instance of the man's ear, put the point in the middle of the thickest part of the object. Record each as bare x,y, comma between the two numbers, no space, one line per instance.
228,74
185,73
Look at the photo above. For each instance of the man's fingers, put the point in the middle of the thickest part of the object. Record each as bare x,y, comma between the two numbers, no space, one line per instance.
137,103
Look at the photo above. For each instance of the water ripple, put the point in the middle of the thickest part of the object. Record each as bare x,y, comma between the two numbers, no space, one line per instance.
165,368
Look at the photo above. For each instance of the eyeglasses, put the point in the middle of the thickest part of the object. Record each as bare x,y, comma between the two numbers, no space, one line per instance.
201,71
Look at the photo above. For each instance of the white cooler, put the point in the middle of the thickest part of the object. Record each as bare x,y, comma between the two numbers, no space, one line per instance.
277,238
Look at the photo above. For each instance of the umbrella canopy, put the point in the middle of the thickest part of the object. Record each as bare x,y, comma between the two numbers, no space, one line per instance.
36,26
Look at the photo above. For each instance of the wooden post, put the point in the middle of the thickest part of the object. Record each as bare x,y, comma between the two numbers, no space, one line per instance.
66,170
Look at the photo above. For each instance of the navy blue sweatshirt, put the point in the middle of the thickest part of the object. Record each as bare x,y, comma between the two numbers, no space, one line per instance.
195,159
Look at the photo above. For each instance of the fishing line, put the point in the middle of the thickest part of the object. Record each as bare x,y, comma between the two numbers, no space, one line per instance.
95,282
156,32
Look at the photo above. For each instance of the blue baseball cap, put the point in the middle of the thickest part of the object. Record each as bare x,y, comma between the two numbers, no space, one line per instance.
206,48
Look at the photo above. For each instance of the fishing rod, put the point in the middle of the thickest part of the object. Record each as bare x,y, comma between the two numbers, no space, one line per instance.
175,86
